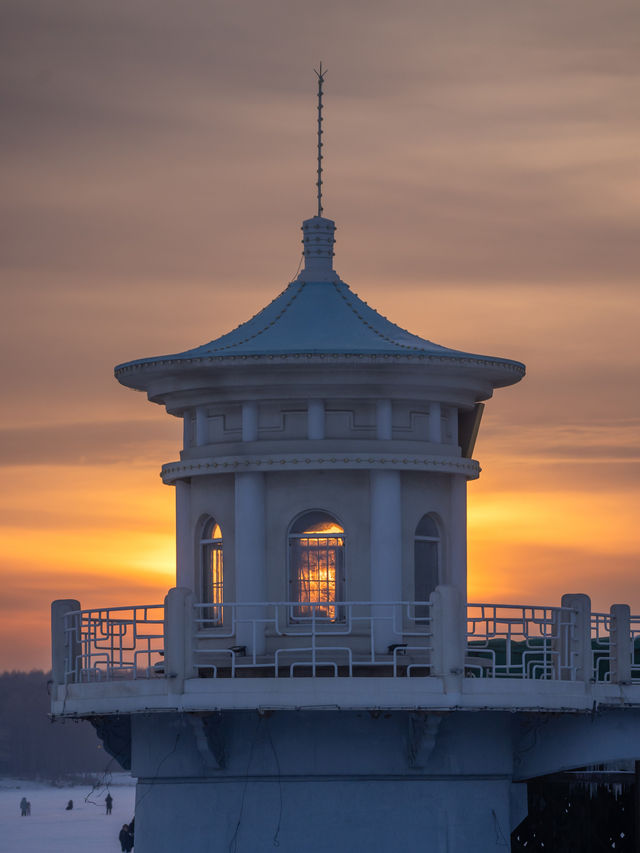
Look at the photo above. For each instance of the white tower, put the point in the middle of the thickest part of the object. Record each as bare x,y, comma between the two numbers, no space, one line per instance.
309,681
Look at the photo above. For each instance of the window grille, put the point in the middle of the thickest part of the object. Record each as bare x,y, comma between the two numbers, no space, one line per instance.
212,571
316,565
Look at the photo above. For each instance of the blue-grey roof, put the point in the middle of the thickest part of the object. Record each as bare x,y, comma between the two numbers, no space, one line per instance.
316,317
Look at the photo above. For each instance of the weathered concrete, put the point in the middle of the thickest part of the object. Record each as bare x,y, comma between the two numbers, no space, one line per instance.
548,744
316,781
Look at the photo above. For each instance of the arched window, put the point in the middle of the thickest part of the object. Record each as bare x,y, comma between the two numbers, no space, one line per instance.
426,561
211,569
316,564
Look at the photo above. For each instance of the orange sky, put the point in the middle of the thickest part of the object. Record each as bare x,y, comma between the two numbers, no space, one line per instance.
482,167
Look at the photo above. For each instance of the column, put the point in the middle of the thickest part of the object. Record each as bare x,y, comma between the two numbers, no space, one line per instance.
457,569
249,421
250,562
186,429
386,556
185,544
384,425
452,419
435,423
202,426
315,419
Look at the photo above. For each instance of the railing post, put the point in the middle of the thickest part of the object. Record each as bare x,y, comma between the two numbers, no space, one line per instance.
449,632
561,644
178,637
579,650
620,644
65,646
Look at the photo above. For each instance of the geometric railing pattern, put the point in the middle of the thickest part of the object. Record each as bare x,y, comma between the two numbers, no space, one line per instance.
285,639
113,643
352,639
512,641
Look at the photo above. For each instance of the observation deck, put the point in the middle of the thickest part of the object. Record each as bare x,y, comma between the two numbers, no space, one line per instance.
346,655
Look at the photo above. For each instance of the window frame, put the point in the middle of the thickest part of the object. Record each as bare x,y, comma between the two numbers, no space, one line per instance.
422,612
211,590
293,581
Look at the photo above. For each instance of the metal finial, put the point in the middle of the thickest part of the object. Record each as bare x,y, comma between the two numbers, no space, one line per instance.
320,74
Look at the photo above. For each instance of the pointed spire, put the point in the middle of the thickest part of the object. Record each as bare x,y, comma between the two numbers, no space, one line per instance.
318,232
320,75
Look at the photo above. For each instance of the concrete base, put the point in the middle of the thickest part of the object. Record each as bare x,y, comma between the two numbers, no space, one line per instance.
313,781
310,781
303,816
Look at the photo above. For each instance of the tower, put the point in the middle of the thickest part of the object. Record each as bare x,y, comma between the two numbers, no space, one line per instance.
317,679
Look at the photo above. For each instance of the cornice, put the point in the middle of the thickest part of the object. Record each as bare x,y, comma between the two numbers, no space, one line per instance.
173,471
314,357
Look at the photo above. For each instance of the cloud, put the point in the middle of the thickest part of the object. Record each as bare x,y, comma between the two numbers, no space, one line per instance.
151,140
544,573
568,442
91,514
103,443
157,160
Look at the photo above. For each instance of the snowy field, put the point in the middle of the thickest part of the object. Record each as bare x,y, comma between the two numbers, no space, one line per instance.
51,829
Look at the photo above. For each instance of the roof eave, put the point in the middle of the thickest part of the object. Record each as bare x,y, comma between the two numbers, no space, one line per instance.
139,374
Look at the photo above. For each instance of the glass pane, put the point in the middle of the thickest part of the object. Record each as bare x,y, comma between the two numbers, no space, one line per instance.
316,522
316,566
216,574
213,581
425,573
211,530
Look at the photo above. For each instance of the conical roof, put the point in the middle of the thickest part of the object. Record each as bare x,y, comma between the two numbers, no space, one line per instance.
317,315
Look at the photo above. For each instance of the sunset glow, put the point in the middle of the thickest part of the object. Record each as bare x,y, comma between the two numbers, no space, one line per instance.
485,183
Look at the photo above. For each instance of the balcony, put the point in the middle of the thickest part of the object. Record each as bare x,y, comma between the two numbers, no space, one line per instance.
186,655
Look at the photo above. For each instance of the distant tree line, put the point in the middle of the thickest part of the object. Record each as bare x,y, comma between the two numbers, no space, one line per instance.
31,746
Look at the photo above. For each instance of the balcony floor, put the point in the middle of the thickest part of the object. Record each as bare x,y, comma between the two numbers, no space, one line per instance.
420,693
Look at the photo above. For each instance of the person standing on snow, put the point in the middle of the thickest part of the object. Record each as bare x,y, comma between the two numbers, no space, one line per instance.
109,802
126,839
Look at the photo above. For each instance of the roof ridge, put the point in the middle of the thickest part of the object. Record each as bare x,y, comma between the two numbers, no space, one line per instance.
381,316
300,287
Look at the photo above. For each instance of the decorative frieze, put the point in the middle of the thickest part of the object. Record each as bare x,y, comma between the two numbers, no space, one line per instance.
173,471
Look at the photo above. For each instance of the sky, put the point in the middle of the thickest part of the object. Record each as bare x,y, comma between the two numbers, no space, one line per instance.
157,158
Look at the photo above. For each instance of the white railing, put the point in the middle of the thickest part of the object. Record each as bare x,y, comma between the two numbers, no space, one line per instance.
601,646
635,648
514,641
615,644
281,639
288,639
114,642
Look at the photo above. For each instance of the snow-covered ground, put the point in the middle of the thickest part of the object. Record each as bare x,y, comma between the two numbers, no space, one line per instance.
51,829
